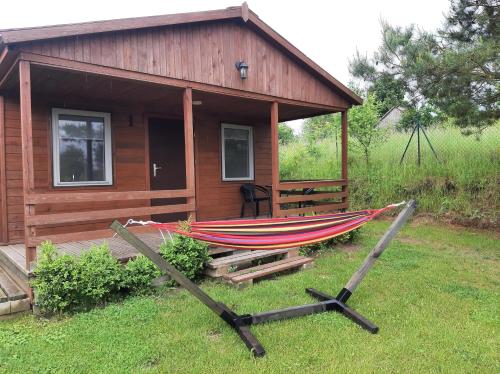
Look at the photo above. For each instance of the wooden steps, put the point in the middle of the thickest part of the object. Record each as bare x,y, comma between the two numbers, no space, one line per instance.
242,267
13,298
247,276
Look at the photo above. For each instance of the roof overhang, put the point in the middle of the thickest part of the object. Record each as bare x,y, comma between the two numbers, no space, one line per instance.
19,36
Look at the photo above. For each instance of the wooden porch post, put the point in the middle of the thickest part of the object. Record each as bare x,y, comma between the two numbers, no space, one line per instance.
3,179
345,188
189,146
275,169
27,155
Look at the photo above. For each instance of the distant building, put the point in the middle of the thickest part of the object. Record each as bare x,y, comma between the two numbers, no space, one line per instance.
390,119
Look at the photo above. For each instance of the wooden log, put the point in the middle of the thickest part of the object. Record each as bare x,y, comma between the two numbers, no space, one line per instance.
375,253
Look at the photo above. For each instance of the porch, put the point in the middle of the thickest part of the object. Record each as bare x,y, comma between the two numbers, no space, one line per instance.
76,217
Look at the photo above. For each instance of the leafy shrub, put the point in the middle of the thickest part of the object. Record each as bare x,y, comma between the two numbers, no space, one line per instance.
56,281
100,275
67,283
138,274
188,255
348,237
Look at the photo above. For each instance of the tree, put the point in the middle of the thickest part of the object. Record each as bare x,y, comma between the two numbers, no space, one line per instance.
285,134
321,127
363,126
455,70
461,74
388,92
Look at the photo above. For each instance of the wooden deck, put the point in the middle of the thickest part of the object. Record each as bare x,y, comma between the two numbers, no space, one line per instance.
119,248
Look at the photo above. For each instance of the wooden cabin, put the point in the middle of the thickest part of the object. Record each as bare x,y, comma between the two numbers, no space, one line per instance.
151,117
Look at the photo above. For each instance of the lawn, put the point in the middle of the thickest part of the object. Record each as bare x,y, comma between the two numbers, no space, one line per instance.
434,293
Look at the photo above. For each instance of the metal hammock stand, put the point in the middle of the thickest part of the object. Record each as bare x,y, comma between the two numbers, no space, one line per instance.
241,323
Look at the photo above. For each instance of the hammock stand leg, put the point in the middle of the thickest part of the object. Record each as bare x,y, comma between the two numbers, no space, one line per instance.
241,323
223,311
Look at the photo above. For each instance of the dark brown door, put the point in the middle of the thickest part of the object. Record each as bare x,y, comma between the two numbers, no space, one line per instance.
167,163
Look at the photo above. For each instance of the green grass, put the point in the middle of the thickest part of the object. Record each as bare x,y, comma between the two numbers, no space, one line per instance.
463,186
434,293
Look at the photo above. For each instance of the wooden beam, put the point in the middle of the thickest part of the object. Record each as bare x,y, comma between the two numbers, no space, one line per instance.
98,215
344,137
275,169
187,104
62,64
80,197
27,154
4,238
329,207
297,185
311,197
375,253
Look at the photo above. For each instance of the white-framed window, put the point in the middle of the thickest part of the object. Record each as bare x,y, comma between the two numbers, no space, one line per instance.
237,152
81,147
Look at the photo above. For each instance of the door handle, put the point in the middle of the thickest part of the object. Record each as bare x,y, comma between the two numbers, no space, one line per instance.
155,169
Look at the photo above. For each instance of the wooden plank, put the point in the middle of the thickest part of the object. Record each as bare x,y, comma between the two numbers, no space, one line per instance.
310,197
187,104
295,185
11,289
27,152
314,209
275,159
77,197
3,177
61,218
266,269
244,258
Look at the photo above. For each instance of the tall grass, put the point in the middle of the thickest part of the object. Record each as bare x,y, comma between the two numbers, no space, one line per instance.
462,185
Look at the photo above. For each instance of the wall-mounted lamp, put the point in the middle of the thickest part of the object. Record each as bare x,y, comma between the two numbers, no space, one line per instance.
242,68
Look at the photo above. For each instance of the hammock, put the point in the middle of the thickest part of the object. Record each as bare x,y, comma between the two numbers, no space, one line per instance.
274,233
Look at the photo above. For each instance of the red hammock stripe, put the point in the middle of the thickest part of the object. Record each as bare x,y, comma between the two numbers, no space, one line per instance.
275,233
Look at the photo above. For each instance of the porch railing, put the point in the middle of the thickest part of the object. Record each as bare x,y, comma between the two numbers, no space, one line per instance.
142,208
325,196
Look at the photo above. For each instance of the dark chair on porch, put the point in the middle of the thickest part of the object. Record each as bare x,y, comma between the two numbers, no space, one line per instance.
249,195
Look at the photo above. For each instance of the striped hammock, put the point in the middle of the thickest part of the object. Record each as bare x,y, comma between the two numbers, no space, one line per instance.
273,233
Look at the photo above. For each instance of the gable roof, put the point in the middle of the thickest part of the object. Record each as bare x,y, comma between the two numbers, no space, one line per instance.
22,35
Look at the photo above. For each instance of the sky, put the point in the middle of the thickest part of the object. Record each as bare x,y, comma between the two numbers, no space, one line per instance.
329,32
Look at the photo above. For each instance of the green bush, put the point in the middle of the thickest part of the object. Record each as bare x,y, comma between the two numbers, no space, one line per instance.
100,275
188,255
138,274
56,280
68,283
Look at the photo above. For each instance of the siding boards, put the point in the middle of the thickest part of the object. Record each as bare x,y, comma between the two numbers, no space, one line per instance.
204,52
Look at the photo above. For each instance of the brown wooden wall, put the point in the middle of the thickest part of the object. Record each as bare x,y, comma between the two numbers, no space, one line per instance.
128,161
202,52
217,199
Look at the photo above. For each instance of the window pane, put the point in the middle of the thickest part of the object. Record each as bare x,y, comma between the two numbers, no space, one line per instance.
81,149
237,153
